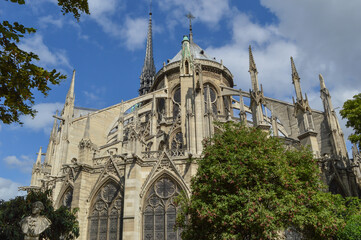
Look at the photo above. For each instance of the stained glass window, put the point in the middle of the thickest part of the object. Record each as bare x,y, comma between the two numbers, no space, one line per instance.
160,211
106,215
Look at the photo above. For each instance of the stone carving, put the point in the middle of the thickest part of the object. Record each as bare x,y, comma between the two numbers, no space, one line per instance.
32,226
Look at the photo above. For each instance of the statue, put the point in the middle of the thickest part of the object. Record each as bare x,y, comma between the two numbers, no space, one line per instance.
32,226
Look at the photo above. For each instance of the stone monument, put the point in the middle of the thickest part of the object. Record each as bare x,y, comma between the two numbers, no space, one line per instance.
32,226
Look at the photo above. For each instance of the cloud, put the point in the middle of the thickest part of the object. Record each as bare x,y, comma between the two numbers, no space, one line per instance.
43,119
206,11
24,163
9,189
48,59
50,20
135,32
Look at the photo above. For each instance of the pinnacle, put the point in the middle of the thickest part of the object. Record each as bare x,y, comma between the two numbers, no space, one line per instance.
322,81
252,64
294,70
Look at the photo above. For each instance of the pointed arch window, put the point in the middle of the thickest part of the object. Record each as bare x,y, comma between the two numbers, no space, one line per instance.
160,212
210,99
106,213
67,198
186,66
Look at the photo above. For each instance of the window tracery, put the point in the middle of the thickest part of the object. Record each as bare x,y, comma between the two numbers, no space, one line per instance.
177,141
106,215
160,212
210,98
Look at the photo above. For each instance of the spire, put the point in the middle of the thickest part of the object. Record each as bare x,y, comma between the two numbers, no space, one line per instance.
38,159
252,64
148,71
190,17
87,128
71,88
296,81
322,81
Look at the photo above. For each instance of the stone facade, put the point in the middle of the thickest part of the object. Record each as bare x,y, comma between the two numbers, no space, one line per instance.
123,165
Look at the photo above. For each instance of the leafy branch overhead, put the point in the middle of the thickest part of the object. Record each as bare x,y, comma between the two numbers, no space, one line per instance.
19,73
351,110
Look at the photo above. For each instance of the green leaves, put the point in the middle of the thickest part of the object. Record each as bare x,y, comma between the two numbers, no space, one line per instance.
64,221
250,186
351,110
19,74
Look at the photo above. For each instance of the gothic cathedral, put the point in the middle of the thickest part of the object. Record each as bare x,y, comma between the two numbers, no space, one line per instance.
123,165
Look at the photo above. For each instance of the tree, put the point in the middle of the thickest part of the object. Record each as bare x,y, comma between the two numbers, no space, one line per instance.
251,186
351,110
64,222
19,75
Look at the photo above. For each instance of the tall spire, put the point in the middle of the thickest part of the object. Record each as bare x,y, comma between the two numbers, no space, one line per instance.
190,17
148,71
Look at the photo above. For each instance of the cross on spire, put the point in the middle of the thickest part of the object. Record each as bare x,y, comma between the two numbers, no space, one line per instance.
190,17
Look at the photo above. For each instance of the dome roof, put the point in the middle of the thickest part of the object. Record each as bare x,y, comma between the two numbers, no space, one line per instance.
196,51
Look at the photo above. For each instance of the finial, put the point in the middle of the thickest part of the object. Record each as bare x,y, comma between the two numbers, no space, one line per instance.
322,81
252,64
150,7
294,70
190,17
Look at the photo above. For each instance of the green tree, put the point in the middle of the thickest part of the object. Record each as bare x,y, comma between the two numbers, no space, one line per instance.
351,110
251,186
19,75
63,221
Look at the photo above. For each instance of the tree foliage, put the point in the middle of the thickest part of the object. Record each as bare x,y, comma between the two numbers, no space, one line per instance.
351,110
19,74
250,186
63,221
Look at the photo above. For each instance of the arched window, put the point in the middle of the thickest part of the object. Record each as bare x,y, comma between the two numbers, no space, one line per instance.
67,198
160,212
186,66
176,102
106,213
210,98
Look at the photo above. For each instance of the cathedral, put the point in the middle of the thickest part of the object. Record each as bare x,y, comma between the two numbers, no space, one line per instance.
123,165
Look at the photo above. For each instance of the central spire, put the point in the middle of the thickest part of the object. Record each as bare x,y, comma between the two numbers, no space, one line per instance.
148,71
190,17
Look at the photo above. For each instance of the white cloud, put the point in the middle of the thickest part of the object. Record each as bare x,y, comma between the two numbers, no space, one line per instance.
206,11
100,8
43,119
135,32
48,59
24,163
9,189
50,20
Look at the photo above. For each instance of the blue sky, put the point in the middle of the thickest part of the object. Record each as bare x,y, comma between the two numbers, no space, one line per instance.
107,50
